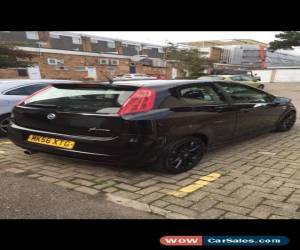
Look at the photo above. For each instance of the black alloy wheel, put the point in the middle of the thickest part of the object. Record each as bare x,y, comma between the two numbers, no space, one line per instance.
183,155
287,122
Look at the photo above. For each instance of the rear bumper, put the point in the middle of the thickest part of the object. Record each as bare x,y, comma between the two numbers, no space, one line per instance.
125,149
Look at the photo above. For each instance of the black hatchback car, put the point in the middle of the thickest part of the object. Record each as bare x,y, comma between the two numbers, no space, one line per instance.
168,123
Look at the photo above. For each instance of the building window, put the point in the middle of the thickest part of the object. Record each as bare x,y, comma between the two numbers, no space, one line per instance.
53,61
22,72
76,40
104,61
80,68
111,44
114,62
33,35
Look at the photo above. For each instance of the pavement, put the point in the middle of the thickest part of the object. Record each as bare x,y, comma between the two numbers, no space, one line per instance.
258,178
23,198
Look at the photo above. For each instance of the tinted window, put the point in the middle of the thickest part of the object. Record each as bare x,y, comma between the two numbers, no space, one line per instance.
26,90
200,94
81,99
243,94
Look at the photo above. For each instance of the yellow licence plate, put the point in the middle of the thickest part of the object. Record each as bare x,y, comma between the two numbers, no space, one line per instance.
51,141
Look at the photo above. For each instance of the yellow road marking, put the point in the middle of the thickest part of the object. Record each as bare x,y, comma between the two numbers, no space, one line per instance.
6,142
190,188
215,175
178,193
203,181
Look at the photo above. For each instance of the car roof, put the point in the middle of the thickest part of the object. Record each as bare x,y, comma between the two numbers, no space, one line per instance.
6,84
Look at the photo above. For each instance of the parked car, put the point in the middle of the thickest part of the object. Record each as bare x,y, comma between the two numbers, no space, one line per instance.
252,81
169,124
128,77
14,90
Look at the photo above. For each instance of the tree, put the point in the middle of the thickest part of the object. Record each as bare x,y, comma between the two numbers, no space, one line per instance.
286,40
187,60
11,56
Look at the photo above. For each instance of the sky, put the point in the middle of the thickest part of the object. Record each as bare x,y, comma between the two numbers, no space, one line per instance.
163,37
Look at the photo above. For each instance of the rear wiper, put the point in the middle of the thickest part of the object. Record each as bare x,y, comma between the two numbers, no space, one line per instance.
45,106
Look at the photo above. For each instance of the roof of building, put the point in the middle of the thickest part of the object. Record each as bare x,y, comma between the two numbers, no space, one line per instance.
82,53
212,43
73,34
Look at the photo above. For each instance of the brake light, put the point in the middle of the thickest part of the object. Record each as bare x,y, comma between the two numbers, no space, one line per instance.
140,101
35,93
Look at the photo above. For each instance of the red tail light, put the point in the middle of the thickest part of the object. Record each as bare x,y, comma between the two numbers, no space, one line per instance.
140,101
38,92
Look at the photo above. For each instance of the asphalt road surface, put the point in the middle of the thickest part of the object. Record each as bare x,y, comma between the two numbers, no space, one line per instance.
23,198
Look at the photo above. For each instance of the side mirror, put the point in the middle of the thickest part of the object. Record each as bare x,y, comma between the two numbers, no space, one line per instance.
280,100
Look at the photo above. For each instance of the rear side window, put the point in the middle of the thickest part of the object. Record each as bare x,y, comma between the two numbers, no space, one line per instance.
26,90
81,99
200,94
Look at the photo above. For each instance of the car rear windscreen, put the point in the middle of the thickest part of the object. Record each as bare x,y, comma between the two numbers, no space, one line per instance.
79,98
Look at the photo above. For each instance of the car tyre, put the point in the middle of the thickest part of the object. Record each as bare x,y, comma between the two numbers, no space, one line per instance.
261,86
287,122
4,122
181,155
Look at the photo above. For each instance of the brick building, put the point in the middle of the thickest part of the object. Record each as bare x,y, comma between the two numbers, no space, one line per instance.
66,55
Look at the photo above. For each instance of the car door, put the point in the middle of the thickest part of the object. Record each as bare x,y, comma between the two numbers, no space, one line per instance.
255,111
207,109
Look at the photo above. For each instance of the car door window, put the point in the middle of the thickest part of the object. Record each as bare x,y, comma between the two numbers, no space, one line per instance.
26,90
243,94
197,94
